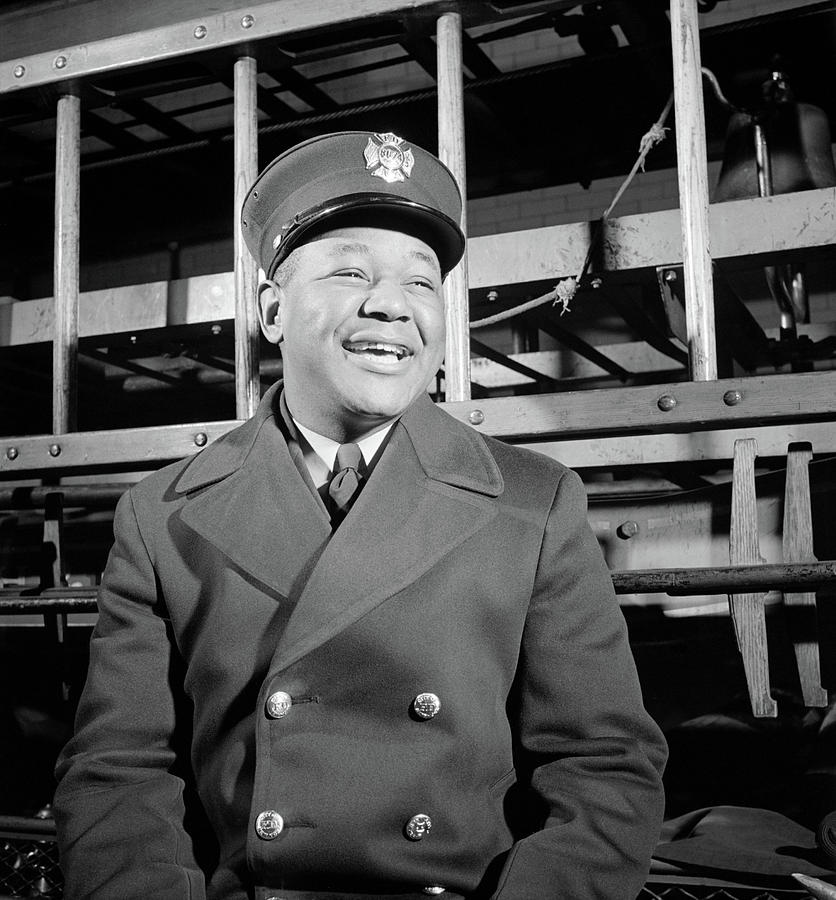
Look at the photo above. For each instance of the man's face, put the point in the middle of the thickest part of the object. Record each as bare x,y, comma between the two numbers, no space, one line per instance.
361,324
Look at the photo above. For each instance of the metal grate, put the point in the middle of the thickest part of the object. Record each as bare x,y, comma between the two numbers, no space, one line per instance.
29,869
711,892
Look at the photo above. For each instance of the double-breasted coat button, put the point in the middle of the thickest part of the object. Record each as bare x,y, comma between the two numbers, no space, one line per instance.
269,825
278,704
426,705
434,890
418,827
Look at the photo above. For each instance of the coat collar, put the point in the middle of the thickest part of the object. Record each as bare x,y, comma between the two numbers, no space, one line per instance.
433,488
448,451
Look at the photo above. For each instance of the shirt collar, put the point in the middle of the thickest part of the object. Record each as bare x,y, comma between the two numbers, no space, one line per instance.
320,452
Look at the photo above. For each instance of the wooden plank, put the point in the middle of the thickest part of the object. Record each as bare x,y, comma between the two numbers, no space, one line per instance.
203,299
142,448
46,26
760,225
747,608
776,224
193,35
487,352
798,548
636,357
692,171
451,150
247,386
135,448
700,446
659,408
66,268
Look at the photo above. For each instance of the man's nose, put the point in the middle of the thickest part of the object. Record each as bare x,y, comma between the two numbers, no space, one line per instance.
386,301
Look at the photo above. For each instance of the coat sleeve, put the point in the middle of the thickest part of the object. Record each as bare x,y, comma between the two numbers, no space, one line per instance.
119,806
593,754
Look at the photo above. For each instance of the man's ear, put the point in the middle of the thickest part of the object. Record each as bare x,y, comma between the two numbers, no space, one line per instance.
269,297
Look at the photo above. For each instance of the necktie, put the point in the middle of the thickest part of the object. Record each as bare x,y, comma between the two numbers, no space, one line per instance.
345,485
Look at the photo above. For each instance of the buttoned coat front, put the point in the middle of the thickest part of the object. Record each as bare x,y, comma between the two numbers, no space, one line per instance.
466,569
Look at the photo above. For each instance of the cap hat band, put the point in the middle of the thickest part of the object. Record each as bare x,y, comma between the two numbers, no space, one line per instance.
291,233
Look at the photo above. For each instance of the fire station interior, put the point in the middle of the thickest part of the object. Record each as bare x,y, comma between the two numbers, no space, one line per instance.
573,199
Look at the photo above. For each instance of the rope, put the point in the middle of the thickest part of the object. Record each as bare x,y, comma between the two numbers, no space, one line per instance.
564,291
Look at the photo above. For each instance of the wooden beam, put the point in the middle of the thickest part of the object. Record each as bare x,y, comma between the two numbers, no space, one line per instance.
451,144
228,28
146,112
773,225
635,357
700,446
692,169
797,545
759,226
247,385
571,341
664,408
133,448
514,365
118,137
697,426
303,88
66,269
747,606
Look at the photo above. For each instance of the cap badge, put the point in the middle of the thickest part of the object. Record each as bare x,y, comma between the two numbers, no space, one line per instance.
387,159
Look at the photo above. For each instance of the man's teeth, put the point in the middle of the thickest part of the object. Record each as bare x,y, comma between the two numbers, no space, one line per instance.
378,349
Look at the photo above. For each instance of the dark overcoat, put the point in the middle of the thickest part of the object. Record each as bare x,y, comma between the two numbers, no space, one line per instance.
466,569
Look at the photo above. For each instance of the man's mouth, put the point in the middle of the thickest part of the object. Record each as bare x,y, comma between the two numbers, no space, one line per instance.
378,351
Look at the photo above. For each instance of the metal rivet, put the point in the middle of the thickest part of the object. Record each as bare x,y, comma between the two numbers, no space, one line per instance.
200,439
60,62
732,398
247,21
596,283
666,402
200,32
54,449
133,338
670,275
20,71
476,417
11,452
493,296
626,530
216,329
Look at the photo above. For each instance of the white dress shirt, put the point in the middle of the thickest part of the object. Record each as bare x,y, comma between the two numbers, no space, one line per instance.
320,452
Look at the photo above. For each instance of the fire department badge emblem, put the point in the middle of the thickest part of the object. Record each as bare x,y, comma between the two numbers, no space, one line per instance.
387,158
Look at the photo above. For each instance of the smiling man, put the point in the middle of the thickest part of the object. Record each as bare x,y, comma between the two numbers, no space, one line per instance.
354,649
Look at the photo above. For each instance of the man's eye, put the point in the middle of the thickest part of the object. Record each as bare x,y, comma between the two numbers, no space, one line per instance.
424,283
350,273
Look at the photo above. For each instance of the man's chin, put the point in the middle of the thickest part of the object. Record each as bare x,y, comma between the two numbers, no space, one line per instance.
378,410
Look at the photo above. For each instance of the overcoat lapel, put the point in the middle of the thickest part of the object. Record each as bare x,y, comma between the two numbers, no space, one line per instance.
432,489
250,501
